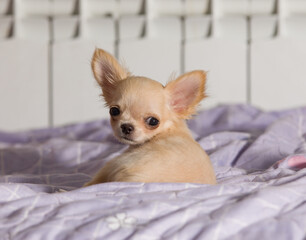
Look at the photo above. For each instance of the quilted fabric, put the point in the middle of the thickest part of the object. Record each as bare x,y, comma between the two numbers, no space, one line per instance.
259,158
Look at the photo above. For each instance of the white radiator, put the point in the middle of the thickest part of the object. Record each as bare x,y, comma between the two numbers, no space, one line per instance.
254,52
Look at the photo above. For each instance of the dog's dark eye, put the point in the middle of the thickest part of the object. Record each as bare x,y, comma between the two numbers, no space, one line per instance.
152,121
114,111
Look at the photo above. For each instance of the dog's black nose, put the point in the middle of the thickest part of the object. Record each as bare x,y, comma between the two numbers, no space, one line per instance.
127,128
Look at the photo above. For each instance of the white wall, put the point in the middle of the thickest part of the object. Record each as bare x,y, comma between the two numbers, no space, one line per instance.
254,52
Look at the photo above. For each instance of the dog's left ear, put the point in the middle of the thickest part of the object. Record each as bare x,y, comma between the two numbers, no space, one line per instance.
186,92
108,72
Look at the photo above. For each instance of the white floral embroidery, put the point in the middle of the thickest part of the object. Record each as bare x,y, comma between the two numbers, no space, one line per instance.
120,220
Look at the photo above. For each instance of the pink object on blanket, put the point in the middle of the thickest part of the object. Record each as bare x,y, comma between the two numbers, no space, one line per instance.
297,162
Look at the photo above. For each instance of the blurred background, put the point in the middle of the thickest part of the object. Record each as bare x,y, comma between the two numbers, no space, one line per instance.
254,52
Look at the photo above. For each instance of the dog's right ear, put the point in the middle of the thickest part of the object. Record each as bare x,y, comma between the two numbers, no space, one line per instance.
186,92
107,71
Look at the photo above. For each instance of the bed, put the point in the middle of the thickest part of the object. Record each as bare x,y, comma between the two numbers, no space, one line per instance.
259,158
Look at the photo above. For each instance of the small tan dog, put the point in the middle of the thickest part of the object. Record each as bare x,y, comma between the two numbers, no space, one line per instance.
151,119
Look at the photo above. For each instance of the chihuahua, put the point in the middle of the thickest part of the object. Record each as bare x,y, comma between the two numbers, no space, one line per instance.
150,118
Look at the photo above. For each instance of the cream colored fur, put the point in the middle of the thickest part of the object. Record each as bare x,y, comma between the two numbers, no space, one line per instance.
163,153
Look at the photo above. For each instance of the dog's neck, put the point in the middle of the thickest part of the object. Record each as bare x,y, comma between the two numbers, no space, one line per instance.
179,127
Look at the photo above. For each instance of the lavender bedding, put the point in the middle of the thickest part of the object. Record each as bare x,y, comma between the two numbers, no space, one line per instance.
259,158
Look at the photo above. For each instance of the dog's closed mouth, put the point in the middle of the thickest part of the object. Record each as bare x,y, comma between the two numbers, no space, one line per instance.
128,139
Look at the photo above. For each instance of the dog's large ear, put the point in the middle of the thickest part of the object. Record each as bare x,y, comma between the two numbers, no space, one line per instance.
107,71
185,93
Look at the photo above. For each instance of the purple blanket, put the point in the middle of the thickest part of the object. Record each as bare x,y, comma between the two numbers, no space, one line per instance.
259,158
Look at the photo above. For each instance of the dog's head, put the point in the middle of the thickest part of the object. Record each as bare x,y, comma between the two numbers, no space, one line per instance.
141,108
